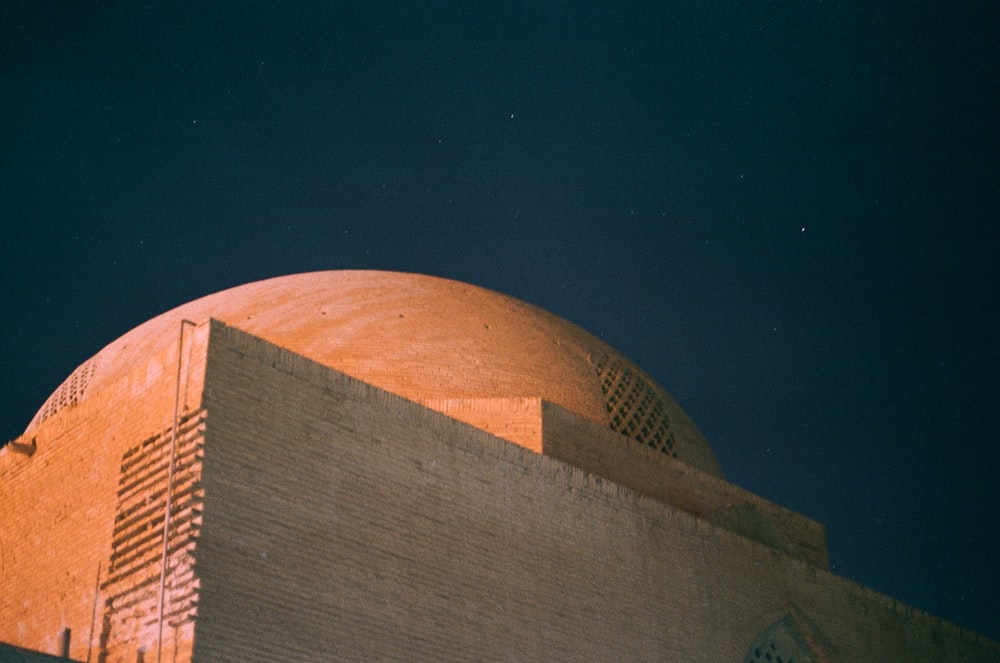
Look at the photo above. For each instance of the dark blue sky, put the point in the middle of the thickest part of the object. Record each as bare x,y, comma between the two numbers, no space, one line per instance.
786,213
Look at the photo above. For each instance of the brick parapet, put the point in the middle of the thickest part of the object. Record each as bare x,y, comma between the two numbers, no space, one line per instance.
517,420
603,452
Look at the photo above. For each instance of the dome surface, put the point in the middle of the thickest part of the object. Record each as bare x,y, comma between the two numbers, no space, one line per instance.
426,339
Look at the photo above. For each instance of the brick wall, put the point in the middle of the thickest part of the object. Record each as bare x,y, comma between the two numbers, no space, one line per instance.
517,420
82,518
344,523
315,517
600,451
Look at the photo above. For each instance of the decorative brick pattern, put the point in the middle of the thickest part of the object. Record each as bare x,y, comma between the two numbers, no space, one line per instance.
70,392
634,405
791,639
133,603
769,652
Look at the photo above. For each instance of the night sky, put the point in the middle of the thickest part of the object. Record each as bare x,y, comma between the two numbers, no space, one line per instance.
787,214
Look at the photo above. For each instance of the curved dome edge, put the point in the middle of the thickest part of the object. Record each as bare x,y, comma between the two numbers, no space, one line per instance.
470,341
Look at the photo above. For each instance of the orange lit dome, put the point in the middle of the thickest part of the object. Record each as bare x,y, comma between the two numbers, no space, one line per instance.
426,339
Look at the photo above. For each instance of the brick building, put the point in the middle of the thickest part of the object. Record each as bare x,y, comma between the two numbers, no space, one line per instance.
382,466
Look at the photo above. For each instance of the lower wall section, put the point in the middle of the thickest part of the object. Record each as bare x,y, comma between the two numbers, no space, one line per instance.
344,523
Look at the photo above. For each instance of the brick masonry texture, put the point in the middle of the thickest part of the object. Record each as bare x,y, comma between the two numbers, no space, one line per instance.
605,453
345,523
317,517
62,506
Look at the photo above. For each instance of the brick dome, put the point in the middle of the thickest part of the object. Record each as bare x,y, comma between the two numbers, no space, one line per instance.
427,339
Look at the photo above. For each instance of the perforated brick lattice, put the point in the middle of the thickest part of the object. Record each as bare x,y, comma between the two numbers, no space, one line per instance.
69,392
768,653
785,642
635,405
